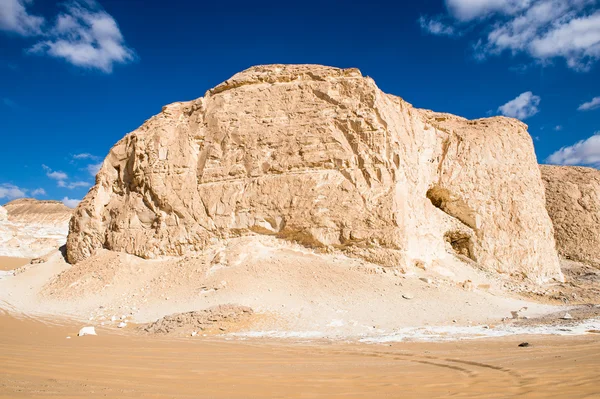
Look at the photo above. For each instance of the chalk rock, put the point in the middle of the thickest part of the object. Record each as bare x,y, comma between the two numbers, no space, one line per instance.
321,156
87,331
122,325
573,203
567,316
31,228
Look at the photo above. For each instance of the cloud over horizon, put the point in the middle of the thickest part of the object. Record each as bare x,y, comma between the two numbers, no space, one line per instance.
522,107
70,202
584,152
10,191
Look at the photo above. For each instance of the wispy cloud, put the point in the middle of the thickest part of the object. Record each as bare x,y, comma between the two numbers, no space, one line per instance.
38,192
522,107
542,29
15,18
9,103
558,128
435,26
55,174
590,105
70,202
84,155
584,152
94,168
83,33
86,36
73,185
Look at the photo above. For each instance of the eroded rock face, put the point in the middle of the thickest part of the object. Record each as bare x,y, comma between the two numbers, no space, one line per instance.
321,156
31,228
573,202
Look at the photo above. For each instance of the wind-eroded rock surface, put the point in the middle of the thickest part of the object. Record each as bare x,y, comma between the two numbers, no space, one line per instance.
30,228
573,202
321,156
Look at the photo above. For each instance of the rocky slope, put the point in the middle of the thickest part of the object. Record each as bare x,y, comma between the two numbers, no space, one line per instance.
321,156
30,228
573,202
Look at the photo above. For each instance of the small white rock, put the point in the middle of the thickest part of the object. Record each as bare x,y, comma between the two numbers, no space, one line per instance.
122,324
194,333
407,296
567,316
87,331
68,337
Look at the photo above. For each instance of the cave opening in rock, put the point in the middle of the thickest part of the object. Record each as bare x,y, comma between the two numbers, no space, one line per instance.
461,242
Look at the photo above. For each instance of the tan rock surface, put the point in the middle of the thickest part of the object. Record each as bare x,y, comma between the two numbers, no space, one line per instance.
321,156
30,228
30,210
573,202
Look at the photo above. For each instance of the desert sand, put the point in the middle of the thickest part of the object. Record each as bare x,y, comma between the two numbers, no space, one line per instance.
38,361
9,263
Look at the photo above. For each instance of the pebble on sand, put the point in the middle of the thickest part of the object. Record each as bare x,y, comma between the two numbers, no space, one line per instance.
407,296
567,316
87,331
122,324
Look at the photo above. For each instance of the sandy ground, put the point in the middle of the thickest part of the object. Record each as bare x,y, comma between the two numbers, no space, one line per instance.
9,263
292,291
38,361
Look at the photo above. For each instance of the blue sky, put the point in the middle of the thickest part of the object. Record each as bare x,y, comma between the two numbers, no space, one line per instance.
76,76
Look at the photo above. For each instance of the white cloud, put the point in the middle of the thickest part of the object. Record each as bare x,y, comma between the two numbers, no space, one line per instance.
86,36
542,29
10,191
590,105
94,168
436,27
584,152
56,175
522,107
76,184
38,191
558,128
71,203
467,10
15,18
84,155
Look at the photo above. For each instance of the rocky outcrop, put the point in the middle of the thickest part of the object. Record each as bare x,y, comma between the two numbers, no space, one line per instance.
573,202
31,228
321,156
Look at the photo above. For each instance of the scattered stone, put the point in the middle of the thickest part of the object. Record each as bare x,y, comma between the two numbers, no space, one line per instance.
194,333
68,337
425,280
567,316
407,296
122,324
87,331
199,320
524,344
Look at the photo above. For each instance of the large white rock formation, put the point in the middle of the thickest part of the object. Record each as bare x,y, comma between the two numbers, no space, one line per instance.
321,156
